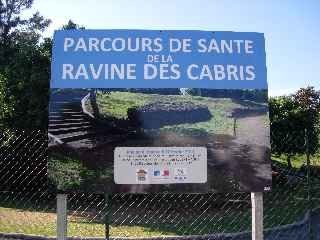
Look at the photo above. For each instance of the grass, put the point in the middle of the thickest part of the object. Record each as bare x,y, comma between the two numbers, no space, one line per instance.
116,104
282,210
297,161
44,224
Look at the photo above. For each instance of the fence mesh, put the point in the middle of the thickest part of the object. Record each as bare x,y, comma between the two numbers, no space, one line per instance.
28,203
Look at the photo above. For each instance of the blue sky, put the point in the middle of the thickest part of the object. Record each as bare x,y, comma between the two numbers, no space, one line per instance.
291,27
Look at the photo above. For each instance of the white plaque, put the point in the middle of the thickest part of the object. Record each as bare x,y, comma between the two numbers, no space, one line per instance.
160,165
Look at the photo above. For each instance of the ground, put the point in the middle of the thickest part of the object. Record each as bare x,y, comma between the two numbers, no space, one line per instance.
156,216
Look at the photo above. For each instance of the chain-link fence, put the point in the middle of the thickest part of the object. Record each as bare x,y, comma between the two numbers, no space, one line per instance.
28,203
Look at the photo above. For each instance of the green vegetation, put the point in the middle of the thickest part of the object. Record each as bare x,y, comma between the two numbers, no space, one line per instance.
295,123
116,104
44,224
297,161
64,172
24,68
69,173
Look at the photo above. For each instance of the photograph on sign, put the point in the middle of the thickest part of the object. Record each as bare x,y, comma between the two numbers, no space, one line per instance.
158,111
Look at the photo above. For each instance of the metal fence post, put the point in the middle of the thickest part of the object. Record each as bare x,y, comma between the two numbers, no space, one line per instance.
257,215
62,216
108,206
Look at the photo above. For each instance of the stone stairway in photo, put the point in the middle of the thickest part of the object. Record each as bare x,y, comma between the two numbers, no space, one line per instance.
67,123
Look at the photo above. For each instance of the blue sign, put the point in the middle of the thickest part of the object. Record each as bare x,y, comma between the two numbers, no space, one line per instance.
158,59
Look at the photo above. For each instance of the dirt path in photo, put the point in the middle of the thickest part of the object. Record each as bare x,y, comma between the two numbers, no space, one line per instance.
253,130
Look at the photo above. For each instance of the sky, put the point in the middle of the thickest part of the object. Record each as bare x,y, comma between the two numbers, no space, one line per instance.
291,27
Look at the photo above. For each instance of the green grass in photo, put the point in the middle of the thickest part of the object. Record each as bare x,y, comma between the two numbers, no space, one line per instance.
116,104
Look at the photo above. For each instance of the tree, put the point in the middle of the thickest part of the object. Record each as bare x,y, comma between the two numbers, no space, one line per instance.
27,87
286,135
308,101
71,26
11,23
291,117
5,109
24,68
